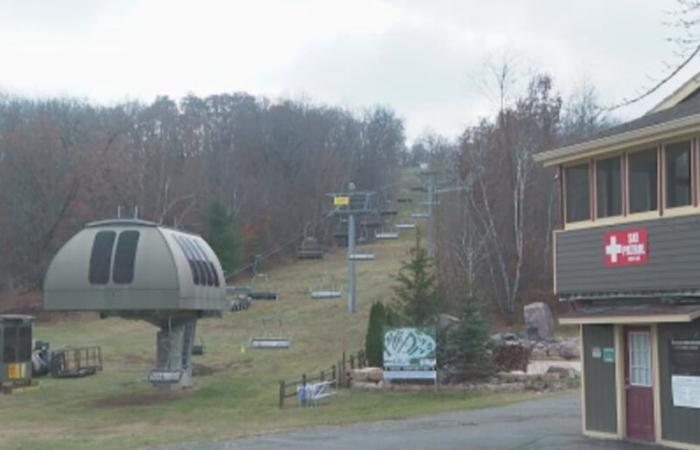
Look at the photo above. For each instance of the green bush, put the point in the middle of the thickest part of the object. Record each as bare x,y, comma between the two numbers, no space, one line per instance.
374,341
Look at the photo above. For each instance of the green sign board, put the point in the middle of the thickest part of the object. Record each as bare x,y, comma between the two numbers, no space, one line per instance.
608,354
410,348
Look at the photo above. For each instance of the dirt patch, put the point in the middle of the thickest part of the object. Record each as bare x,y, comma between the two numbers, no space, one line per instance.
144,399
138,360
234,366
201,370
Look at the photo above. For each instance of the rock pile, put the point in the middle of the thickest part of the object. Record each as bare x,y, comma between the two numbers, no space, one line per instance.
368,378
568,349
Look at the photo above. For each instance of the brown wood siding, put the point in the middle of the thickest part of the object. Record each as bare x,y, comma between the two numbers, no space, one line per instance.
677,423
600,395
674,258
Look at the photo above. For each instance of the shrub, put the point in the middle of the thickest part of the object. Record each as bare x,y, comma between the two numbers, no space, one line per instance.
374,341
509,357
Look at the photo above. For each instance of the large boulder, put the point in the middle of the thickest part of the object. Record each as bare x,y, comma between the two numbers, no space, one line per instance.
538,321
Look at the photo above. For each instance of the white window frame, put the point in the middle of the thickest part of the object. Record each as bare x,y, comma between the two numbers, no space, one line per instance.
639,354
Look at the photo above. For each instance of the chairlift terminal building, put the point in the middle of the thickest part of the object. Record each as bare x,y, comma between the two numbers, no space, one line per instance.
140,270
627,269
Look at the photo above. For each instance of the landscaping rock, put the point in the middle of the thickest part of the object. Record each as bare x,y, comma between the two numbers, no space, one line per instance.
446,321
563,372
367,386
538,321
570,349
368,374
502,338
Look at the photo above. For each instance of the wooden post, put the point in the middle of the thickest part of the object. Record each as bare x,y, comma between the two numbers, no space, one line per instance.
352,361
343,369
334,374
323,376
282,392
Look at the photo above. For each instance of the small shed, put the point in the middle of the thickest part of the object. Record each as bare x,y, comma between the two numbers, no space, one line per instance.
627,271
15,349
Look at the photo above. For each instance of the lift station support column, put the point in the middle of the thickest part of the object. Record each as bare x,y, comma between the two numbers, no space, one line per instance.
352,303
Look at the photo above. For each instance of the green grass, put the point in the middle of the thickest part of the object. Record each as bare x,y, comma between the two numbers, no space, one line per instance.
118,409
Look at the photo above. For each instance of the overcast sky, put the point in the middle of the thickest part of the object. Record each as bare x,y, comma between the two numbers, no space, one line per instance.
423,58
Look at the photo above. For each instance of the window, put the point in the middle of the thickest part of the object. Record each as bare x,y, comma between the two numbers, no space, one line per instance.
206,278
678,174
9,344
577,193
123,272
608,187
24,343
101,257
17,343
639,358
194,268
210,265
643,190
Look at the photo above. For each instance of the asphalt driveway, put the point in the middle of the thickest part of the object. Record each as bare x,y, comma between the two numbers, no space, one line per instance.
552,423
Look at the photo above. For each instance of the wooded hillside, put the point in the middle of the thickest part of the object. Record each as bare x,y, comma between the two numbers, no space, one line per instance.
269,164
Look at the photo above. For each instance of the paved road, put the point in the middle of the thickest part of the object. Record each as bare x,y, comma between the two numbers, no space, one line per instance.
553,423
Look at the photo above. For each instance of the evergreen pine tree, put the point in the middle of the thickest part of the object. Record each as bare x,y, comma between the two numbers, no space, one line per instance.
374,341
467,343
415,295
221,235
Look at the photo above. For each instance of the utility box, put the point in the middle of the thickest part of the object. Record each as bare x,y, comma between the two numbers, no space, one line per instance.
15,350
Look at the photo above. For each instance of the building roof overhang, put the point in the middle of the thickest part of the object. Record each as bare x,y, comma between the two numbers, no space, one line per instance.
632,314
633,138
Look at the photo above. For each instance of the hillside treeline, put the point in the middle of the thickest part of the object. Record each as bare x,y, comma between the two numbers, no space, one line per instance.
64,163
494,236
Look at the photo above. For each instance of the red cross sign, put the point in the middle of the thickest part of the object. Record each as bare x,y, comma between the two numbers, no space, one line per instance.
626,247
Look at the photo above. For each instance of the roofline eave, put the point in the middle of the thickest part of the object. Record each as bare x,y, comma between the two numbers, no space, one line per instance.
561,155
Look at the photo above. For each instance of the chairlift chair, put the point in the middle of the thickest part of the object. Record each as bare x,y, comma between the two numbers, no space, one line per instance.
383,234
361,257
198,348
327,288
404,200
262,294
233,292
267,338
388,212
405,226
310,249
370,223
